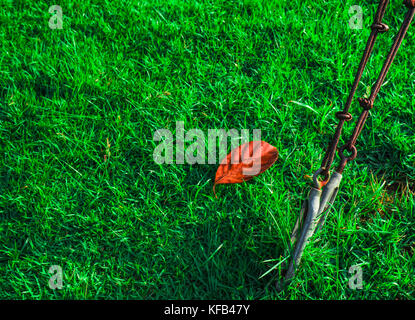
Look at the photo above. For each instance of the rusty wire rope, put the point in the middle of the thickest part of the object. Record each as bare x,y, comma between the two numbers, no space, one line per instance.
366,103
322,195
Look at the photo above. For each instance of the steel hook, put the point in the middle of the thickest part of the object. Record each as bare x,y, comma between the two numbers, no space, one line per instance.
311,218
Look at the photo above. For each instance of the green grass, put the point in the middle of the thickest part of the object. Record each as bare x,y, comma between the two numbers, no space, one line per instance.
128,228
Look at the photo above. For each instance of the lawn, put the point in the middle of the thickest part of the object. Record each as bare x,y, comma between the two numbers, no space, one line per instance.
79,187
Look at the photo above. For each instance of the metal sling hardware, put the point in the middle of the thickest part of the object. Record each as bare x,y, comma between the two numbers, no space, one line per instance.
311,218
322,195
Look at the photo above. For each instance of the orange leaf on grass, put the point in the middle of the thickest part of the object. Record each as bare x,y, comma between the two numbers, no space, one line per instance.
245,162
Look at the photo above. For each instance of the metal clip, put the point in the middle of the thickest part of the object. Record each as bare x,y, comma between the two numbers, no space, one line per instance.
312,217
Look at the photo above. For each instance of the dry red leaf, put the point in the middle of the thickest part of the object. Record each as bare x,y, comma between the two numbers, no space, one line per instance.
245,162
